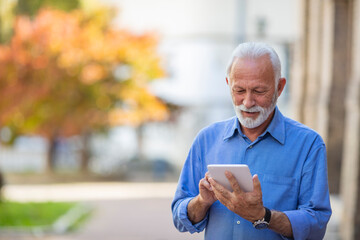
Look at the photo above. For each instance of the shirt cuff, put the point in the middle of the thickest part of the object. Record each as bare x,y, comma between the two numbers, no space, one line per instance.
299,223
192,228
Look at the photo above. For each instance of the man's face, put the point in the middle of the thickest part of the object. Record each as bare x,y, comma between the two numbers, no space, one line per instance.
253,90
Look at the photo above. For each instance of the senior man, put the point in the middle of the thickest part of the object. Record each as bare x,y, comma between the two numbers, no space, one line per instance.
290,197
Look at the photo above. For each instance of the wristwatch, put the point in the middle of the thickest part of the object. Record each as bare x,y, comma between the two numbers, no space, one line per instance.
263,223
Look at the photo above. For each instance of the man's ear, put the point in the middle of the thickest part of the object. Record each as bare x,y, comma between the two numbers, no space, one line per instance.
281,85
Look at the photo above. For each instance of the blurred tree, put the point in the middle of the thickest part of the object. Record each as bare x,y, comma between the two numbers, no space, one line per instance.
6,19
31,8
65,74
10,8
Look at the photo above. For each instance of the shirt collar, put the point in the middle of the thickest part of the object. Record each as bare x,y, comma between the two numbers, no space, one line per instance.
231,128
276,128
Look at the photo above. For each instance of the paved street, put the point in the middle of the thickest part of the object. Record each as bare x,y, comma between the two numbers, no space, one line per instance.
138,219
122,211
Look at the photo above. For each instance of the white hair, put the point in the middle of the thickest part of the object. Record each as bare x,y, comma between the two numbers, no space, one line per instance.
256,50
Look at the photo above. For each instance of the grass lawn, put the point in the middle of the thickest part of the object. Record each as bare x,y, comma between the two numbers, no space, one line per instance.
15,214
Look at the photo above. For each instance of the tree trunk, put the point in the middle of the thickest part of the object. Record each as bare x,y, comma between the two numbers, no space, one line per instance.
85,153
51,155
140,142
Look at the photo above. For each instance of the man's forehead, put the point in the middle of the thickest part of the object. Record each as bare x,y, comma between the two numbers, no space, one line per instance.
256,65
260,70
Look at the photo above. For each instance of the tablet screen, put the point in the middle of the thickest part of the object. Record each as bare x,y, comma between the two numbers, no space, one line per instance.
240,171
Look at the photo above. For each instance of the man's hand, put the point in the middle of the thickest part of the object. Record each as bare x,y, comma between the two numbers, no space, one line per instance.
199,205
248,205
206,194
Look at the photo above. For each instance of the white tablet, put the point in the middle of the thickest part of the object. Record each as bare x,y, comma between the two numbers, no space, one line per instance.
240,171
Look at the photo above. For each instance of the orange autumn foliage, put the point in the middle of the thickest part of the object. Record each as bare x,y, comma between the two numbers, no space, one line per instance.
58,75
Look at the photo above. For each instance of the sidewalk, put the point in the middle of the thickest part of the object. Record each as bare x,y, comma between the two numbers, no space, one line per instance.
89,191
126,211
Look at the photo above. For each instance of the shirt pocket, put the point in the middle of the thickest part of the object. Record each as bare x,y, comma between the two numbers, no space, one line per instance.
279,192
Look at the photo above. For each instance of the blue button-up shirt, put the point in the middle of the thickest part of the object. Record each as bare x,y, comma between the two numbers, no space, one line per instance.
290,160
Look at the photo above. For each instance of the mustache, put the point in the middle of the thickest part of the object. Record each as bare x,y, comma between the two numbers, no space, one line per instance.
252,109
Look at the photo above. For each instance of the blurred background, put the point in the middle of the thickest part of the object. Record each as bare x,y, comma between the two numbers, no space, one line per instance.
100,101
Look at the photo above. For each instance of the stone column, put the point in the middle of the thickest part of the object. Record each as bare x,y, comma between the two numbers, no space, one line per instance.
337,91
350,175
314,31
313,64
325,73
322,74
299,66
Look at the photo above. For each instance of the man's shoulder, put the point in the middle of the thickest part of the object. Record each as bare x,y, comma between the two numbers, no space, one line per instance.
298,126
294,127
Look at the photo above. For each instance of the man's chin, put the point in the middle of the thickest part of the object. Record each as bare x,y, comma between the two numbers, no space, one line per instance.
250,115
248,122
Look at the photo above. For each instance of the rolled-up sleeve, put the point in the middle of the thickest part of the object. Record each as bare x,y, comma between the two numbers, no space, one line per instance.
187,189
310,219
181,220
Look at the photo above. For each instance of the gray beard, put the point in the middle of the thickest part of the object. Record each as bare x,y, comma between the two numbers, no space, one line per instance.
264,113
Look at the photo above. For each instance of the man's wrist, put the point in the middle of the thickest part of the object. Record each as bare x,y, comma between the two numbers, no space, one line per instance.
260,215
263,223
197,209
203,202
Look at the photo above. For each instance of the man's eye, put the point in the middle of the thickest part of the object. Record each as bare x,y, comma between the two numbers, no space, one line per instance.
259,91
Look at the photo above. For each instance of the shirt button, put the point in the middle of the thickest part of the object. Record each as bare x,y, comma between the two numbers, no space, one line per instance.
250,146
238,222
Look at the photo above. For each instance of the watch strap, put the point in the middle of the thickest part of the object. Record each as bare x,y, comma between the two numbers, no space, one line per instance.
267,217
264,222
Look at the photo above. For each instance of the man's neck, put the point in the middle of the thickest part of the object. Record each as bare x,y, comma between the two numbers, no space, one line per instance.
254,133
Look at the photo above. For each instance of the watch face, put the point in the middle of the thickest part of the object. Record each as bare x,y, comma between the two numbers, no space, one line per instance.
262,225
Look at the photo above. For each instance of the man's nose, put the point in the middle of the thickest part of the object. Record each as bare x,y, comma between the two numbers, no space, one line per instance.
249,100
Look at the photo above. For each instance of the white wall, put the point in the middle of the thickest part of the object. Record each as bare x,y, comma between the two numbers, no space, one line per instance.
178,18
281,16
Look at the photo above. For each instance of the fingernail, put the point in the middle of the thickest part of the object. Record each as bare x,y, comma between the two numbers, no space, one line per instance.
227,173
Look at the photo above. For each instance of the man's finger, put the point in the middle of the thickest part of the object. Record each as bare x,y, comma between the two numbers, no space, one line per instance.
219,192
206,184
256,183
219,189
207,175
233,182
